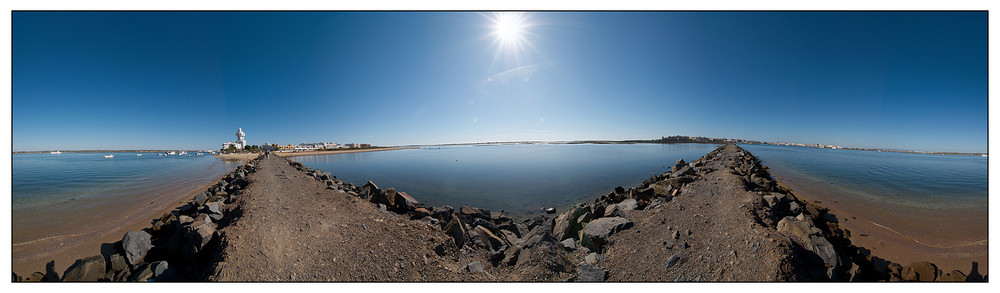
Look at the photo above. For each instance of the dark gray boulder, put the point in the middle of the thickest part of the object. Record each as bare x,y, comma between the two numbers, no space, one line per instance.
159,268
596,234
136,245
802,231
628,205
475,267
117,262
590,273
405,202
456,229
201,198
143,274
213,211
88,269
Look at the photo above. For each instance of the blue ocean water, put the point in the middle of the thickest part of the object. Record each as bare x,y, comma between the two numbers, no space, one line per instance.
50,183
924,181
520,179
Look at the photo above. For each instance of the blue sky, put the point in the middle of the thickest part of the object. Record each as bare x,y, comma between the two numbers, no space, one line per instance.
156,80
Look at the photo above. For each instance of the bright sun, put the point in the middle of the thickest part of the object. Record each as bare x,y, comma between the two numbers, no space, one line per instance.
508,27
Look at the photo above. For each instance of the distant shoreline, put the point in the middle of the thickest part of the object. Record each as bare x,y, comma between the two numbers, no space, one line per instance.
317,153
110,151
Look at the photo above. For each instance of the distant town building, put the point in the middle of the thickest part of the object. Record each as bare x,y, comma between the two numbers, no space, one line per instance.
365,145
240,141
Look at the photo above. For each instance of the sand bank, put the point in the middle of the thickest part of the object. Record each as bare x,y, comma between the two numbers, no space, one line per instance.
87,229
950,242
241,157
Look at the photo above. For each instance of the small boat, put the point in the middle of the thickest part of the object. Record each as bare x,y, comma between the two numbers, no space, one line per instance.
109,156
138,155
159,154
171,153
56,153
183,153
550,210
199,154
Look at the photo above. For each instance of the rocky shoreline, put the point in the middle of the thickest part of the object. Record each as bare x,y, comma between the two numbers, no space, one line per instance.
683,225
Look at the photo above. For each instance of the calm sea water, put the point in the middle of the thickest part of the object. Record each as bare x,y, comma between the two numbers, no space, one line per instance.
520,179
50,183
929,182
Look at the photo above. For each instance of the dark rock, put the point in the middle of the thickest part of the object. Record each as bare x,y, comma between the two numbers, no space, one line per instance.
568,244
953,276
117,262
500,216
490,239
34,277
471,212
443,213
143,274
419,213
88,269
628,205
920,271
387,197
431,221
596,233
369,190
619,190
811,238
213,211
136,245
475,267
456,229
677,165
510,236
679,182
159,268
589,273
612,211
566,225
201,198
674,260
404,201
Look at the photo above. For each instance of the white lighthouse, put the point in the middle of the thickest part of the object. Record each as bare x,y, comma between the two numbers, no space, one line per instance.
240,143
239,138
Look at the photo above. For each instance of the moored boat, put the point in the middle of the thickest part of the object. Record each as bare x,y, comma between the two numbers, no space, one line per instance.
56,153
109,156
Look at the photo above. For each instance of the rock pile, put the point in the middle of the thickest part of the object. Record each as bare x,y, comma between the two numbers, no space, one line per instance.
825,250
175,248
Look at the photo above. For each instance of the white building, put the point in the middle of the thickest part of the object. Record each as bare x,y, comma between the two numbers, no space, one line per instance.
240,143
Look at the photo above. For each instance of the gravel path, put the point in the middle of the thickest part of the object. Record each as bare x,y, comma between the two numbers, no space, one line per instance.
718,238
294,229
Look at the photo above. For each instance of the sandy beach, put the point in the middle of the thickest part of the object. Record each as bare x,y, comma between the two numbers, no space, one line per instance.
951,243
87,229
241,157
317,153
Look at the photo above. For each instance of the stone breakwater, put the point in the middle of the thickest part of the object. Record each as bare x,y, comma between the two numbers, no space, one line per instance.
179,246
719,218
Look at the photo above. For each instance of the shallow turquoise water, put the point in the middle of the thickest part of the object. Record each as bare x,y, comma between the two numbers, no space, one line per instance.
932,182
520,179
49,183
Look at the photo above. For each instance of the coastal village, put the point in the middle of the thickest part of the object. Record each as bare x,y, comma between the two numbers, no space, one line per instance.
241,145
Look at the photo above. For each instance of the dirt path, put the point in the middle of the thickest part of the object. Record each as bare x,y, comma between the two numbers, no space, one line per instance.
293,228
719,240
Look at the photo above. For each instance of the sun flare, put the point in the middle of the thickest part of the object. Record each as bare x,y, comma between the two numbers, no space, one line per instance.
508,27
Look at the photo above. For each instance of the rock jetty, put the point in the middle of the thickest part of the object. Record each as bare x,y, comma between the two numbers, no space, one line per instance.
719,218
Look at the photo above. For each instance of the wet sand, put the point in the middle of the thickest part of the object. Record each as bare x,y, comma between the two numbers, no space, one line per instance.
241,157
84,229
317,153
951,239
